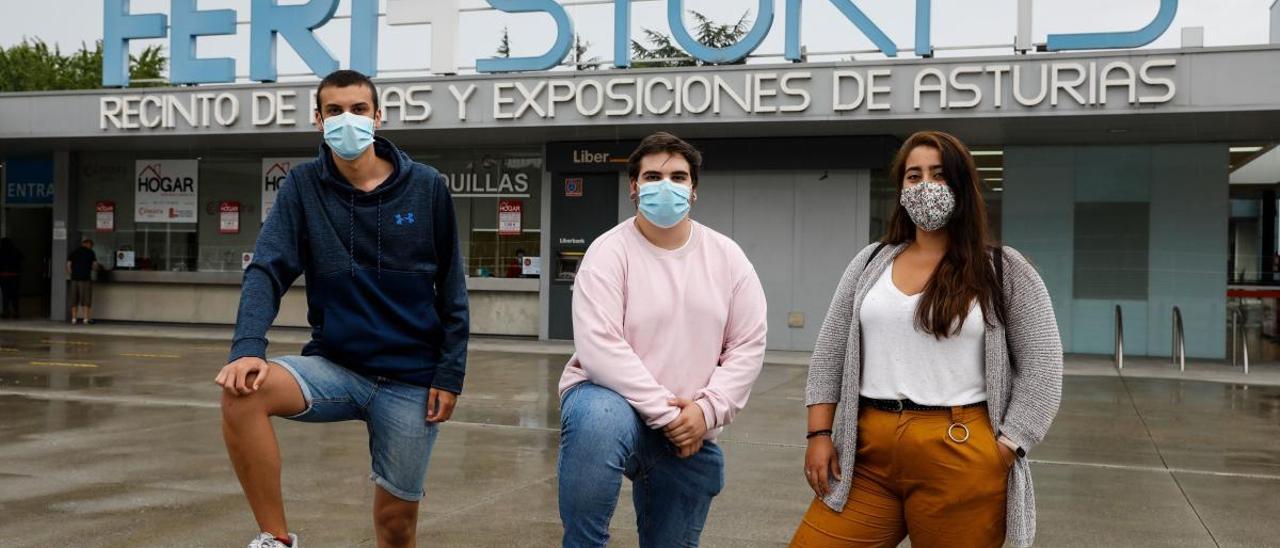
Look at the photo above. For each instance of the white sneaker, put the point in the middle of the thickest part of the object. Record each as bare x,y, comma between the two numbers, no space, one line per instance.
268,540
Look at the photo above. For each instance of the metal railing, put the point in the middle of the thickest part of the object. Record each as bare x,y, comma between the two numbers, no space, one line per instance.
1119,357
1179,352
1242,338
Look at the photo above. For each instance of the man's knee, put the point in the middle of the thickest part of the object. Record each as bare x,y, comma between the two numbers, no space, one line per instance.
599,431
236,407
396,526
599,413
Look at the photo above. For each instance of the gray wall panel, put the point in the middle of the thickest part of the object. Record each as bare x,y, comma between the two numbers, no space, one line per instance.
1189,214
763,225
1186,190
830,230
716,201
1039,190
798,230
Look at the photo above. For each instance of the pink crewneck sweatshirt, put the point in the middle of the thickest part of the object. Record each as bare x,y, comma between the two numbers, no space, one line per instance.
652,324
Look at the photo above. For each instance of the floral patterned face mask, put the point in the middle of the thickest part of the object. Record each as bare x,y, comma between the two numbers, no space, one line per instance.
929,204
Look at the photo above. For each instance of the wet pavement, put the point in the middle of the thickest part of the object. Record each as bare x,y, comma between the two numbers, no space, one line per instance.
115,441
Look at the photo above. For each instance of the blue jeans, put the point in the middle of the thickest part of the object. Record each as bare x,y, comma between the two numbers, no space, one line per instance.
395,413
602,439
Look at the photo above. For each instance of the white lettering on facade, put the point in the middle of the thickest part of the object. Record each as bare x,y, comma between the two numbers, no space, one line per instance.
869,91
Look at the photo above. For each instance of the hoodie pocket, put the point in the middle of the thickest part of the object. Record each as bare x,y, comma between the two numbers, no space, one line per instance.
383,321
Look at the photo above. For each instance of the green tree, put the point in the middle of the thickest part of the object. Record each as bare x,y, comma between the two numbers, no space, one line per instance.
32,65
663,51
504,46
579,56
146,70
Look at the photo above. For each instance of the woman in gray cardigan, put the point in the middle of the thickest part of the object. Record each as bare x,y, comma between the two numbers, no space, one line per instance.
938,368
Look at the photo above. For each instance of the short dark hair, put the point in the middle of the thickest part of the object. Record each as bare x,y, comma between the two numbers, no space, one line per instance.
665,142
344,78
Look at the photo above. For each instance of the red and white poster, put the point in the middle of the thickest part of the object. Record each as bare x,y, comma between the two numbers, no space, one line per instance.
229,218
274,171
167,191
106,221
510,213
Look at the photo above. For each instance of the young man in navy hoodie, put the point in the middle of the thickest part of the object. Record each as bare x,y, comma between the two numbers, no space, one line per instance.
375,235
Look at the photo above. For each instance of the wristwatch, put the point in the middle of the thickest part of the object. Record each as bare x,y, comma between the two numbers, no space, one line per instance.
1012,446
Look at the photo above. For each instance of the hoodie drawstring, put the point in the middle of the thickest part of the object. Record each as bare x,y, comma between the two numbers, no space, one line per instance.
351,238
379,236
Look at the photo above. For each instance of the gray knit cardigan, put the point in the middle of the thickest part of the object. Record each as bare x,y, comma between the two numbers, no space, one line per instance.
1023,363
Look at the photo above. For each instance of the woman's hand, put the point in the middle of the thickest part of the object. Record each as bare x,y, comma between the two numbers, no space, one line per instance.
821,464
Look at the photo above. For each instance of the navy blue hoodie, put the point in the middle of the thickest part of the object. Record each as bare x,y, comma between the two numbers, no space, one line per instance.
386,289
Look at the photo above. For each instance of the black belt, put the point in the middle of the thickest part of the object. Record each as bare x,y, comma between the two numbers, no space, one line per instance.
898,406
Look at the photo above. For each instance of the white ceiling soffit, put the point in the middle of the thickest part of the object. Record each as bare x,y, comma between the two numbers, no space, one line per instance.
1263,170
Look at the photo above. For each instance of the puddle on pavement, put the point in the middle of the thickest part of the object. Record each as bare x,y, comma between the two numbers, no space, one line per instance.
70,380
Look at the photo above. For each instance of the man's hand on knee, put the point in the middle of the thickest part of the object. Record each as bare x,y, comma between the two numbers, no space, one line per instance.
687,431
689,450
243,376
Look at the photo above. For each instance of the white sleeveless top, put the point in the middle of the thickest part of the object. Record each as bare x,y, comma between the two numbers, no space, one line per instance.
902,362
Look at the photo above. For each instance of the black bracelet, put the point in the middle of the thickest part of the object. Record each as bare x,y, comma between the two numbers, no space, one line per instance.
817,433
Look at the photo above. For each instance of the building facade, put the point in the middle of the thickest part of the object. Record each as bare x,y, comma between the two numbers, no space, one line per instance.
1108,169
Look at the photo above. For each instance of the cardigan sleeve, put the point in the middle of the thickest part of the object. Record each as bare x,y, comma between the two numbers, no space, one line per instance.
826,366
1035,354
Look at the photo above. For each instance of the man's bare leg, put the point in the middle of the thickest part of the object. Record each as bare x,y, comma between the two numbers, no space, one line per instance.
252,446
395,520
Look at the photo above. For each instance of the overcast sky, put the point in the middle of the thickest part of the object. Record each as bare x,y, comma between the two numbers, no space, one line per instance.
955,23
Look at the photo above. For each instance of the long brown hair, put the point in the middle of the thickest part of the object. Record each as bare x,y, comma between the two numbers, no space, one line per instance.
965,272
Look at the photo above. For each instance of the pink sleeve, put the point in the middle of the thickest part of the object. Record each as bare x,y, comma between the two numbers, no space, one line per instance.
605,354
743,356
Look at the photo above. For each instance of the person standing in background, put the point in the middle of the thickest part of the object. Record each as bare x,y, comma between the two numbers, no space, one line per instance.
516,269
10,274
80,266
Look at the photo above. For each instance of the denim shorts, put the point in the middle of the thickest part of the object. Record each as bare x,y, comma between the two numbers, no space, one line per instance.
400,438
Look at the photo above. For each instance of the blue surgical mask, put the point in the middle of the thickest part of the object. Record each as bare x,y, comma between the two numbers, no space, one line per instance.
664,203
348,134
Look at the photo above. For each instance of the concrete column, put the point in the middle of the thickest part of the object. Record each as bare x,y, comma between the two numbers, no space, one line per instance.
4,209
1268,229
1190,209
544,280
63,226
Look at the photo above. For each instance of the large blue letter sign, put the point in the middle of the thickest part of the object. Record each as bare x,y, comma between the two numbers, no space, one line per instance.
622,33
730,54
546,61
188,23
118,27
851,12
364,37
297,23
1118,40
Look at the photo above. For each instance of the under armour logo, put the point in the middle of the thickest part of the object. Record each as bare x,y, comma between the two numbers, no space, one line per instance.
405,218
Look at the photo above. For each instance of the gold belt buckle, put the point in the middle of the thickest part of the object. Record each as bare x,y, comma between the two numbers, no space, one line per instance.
952,429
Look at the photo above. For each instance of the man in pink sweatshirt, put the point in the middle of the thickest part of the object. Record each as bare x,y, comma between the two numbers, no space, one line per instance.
669,327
